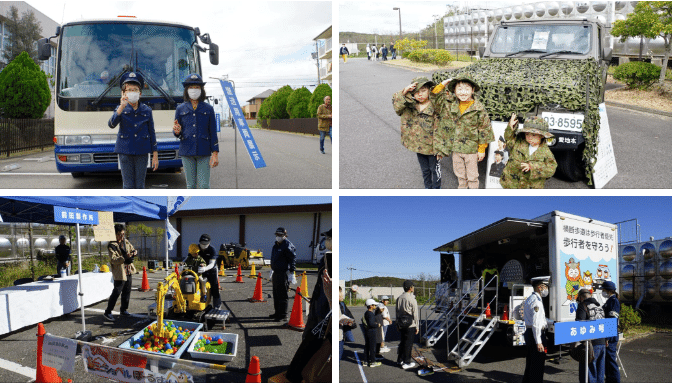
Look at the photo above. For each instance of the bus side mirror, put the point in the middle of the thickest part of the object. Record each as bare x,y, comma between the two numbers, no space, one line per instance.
214,53
43,49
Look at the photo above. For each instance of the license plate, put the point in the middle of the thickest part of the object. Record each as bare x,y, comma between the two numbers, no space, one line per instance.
564,121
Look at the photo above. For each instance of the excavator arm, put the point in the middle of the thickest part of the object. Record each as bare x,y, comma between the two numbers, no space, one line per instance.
179,303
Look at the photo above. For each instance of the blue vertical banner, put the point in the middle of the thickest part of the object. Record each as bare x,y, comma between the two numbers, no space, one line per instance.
217,121
242,124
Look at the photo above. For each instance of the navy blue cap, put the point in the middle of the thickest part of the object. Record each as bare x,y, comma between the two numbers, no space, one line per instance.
132,77
193,79
609,285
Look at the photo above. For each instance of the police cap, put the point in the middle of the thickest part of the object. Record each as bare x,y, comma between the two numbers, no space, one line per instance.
193,79
132,77
535,281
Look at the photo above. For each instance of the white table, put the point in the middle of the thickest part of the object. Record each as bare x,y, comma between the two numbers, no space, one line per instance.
29,304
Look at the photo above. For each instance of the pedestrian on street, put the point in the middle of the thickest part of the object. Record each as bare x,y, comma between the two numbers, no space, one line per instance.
611,309
283,257
384,52
209,272
62,252
588,308
136,137
386,322
369,52
196,128
122,255
325,122
343,51
369,327
393,51
407,324
375,53
535,335
346,326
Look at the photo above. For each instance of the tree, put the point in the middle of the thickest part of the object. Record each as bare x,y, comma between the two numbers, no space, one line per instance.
317,99
297,103
23,34
278,103
650,19
24,91
264,109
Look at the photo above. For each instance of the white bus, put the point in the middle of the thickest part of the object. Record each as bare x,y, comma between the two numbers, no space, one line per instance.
92,56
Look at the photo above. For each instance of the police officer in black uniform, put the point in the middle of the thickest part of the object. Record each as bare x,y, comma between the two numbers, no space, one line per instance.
283,256
209,272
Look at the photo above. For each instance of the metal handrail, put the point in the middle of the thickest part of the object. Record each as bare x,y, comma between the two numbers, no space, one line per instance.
445,295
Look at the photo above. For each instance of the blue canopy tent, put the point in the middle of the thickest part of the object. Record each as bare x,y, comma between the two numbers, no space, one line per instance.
40,209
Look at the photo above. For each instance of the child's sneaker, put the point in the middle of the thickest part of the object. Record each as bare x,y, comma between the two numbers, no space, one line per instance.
375,364
385,349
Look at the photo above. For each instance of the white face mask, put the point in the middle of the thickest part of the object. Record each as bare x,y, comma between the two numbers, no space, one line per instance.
194,93
605,294
544,293
279,239
204,246
133,97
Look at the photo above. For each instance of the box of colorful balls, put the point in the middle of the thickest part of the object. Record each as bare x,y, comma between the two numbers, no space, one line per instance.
179,335
214,346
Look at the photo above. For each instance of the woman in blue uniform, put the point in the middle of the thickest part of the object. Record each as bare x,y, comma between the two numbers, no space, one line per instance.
136,137
196,128
611,309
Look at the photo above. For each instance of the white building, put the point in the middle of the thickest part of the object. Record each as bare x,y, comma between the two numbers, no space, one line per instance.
324,47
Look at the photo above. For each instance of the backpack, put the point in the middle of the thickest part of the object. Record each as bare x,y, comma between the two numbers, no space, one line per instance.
595,312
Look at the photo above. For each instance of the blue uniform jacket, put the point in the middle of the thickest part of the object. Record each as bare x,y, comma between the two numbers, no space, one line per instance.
198,136
611,308
136,133
283,256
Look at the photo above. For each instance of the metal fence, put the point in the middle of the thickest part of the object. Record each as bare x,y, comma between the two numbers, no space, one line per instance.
24,134
306,126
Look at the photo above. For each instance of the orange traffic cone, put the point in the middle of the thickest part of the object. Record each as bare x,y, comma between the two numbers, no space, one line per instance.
239,277
488,310
505,316
44,374
254,373
297,316
222,269
304,284
257,297
253,273
146,284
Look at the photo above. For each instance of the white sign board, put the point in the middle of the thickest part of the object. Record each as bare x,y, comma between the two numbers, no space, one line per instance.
540,40
493,167
59,353
105,230
606,165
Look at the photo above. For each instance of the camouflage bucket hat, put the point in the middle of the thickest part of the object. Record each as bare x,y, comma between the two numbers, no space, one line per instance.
462,78
538,126
421,82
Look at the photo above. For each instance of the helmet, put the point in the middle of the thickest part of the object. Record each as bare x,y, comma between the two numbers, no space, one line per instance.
370,302
193,79
193,249
132,77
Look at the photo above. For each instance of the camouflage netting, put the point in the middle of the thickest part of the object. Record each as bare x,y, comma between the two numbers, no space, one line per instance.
518,85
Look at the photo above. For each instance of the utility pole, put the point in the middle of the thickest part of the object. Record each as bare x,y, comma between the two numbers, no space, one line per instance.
351,291
436,17
399,12
317,59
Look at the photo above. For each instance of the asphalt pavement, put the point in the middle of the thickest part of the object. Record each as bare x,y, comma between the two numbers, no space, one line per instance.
292,161
646,360
257,334
371,155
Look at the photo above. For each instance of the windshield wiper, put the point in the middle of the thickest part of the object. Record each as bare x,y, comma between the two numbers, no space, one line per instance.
526,51
154,85
111,85
559,52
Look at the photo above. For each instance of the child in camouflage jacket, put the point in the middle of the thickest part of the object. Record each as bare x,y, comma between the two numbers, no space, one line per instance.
419,128
531,162
466,125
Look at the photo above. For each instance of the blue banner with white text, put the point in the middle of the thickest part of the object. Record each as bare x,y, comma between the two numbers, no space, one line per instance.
572,331
242,124
73,215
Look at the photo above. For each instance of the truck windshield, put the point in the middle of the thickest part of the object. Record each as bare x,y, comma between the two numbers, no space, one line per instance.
93,55
511,39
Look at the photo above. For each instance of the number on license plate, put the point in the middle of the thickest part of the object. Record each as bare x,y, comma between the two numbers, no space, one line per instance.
564,121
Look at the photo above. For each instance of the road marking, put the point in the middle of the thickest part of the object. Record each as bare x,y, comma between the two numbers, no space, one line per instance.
18,368
36,174
362,373
116,313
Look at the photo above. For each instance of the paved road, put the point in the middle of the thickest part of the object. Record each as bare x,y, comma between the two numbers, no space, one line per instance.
371,155
646,360
292,161
258,336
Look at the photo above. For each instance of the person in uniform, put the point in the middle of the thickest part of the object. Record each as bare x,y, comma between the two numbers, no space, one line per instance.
121,254
611,309
283,257
62,252
535,335
209,272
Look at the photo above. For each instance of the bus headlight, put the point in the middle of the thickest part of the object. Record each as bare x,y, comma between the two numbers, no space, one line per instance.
76,140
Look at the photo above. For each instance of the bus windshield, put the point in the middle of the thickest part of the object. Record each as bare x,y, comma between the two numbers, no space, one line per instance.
94,54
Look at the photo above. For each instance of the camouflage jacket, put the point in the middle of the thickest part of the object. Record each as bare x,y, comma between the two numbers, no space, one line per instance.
542,163
464,133
419,129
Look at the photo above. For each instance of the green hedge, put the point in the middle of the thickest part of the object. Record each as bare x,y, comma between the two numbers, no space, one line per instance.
637,74
430,56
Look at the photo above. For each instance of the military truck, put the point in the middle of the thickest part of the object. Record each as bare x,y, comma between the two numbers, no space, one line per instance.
555,69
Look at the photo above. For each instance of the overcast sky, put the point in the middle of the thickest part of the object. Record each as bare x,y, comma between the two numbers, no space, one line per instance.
262,44
379,17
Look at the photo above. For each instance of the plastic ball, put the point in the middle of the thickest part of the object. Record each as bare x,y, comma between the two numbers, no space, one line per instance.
220,341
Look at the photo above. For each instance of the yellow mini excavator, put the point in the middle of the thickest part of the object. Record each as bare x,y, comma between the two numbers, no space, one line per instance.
187,294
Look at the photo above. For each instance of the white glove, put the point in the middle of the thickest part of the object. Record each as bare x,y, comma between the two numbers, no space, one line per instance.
271,274
290,278
200,270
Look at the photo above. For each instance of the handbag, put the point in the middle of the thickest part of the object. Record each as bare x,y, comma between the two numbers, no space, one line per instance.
578,351
404,320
